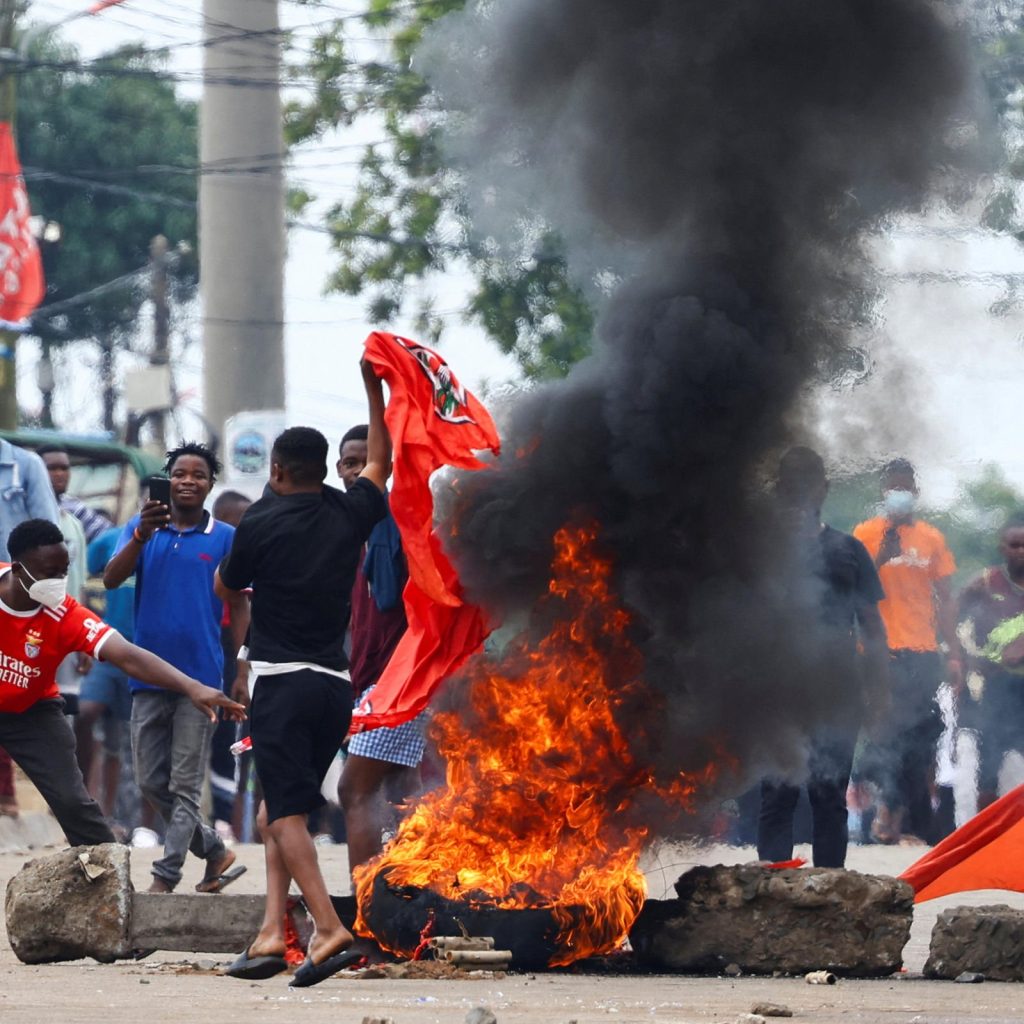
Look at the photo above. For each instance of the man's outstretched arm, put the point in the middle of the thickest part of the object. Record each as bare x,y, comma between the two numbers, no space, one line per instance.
148,668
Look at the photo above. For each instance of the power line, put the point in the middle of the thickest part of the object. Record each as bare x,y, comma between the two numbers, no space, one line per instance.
159,197
23,66
54,308
237,33
177,201
231,165
102,175
35,174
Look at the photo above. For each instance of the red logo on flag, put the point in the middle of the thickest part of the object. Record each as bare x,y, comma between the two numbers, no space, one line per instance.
449,397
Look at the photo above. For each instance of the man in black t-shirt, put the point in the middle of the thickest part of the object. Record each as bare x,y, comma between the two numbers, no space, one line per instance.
298,549
840,572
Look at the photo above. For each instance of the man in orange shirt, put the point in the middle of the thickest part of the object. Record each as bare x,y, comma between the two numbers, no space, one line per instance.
915,566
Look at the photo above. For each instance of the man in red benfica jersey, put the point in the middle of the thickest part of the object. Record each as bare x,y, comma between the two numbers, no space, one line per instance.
39,626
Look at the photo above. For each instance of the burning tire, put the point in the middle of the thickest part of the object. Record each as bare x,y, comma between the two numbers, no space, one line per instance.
398,916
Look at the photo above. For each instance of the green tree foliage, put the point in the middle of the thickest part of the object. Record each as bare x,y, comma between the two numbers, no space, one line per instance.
408,219
111,157
973,522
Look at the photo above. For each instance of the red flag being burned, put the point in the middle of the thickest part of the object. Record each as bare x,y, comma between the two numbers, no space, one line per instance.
21,269
433,422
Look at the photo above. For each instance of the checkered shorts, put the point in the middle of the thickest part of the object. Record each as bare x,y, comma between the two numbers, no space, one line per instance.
404,744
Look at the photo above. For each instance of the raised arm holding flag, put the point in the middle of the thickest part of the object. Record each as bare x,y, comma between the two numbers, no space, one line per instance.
433,422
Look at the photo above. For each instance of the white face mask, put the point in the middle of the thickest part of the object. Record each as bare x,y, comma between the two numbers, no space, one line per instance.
899,504
50,592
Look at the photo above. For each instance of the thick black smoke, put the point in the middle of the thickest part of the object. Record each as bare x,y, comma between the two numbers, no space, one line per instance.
724,158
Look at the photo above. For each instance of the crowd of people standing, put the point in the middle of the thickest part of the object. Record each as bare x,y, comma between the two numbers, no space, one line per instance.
892,583
287,609
250,614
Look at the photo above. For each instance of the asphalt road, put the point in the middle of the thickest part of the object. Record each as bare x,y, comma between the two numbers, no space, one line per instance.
168,988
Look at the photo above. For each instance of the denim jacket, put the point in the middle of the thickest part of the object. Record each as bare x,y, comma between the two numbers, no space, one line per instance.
25,491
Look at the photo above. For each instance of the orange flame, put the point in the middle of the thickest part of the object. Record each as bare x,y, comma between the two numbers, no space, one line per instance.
540,778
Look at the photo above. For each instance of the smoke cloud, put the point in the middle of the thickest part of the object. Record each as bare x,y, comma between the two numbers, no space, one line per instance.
725,163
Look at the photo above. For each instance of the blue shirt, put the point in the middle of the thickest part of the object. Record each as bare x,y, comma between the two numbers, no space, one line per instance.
177,614
120,611
25,491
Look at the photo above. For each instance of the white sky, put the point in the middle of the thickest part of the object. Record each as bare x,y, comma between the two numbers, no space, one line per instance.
323,333
948,387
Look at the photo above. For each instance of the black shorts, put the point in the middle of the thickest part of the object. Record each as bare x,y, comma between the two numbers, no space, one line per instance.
298,721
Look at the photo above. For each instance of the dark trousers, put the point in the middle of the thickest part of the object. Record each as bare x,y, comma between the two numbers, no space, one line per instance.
42,744
223,789
902,760
829,768
6,774
999,722
916,676
222,771
910,785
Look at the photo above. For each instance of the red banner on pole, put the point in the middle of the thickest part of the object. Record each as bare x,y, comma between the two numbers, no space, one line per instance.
21,268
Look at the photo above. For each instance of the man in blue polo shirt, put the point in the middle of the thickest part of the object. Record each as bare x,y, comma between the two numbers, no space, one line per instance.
173,552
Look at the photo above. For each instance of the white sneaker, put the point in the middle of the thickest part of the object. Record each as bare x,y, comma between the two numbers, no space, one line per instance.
145,838
226,833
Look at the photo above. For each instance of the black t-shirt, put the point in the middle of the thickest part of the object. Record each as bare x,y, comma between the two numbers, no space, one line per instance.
850,578
299,554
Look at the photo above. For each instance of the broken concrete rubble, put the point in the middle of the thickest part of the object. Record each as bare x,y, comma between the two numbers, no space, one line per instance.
765,921
987,941
81,902
63,908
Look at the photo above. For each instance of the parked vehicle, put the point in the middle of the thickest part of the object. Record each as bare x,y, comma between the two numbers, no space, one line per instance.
104,474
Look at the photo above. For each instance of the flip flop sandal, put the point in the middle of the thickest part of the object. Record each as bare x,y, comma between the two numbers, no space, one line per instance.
310,973
220,882
256,968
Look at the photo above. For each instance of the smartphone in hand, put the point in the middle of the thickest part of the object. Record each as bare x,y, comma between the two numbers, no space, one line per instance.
160,490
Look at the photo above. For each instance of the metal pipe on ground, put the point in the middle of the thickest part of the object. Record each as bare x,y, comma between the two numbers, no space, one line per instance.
493,958
444,942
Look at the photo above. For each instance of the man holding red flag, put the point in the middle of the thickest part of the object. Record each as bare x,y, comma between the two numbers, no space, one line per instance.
433,422
300,607
298,548
382,766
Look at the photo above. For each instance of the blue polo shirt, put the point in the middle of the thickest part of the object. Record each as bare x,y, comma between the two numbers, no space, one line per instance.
120,607
177,614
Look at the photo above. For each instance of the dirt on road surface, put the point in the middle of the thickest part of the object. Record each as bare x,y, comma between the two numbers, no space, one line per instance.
168,988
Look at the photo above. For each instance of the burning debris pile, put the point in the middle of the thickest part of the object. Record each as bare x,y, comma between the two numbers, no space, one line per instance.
723,164
535,756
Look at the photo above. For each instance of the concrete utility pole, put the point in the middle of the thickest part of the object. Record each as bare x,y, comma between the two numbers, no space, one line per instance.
160,355
241,209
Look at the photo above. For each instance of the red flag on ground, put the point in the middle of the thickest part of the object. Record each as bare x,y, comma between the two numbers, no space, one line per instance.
433,422
986,852
21,269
